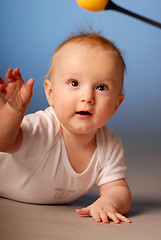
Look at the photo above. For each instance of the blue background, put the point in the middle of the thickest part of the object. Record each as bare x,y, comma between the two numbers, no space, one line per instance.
30,32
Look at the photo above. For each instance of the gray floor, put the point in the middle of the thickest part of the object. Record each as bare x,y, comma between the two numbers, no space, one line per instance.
19,221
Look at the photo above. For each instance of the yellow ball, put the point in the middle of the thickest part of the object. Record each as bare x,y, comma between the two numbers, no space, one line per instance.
93,5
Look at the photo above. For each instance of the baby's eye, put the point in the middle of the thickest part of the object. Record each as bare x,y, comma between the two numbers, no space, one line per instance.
74,83
102,88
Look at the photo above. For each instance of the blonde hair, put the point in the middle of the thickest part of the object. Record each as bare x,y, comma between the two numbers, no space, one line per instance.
90,38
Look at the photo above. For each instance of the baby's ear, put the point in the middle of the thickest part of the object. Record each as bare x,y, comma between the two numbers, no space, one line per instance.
48,91
120,100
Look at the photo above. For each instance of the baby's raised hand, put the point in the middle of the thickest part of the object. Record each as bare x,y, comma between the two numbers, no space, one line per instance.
101,210
15,91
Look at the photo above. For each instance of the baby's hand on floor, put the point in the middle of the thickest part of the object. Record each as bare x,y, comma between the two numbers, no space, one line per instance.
102,210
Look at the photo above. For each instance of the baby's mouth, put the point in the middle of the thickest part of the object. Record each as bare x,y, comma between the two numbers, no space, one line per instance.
84,113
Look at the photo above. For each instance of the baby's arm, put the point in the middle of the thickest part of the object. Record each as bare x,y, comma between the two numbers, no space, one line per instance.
17,97
114,202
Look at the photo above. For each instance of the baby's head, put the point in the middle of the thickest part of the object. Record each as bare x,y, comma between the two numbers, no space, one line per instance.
85,82
91,40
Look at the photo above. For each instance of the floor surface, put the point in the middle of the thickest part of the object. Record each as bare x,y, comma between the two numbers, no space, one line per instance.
19,221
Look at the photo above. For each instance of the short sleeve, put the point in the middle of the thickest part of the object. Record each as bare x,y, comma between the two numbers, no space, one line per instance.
40,132
113,166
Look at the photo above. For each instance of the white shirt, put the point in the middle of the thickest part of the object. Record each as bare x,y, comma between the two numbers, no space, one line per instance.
40,172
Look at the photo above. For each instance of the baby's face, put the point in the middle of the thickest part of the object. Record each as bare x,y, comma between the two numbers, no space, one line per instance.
85,87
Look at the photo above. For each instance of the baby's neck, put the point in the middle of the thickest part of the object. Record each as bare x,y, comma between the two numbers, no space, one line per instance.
79,140
80,149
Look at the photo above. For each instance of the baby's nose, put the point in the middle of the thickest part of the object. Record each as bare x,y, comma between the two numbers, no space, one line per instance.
87,96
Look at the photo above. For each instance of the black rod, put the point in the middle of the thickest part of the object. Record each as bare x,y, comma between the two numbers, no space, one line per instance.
115,7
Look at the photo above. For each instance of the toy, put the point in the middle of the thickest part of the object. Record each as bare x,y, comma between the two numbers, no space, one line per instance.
93,5
100,5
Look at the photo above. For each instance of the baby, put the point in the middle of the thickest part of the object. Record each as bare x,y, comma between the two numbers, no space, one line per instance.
57,155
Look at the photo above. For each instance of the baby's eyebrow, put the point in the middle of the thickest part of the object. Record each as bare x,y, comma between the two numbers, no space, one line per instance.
70,75
106,80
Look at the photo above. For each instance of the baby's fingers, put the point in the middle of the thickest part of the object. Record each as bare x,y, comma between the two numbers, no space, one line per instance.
96,216
2,83
9,75
123,218
113,216
104,216
17,74
117,217
83,211
29,84
14,75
